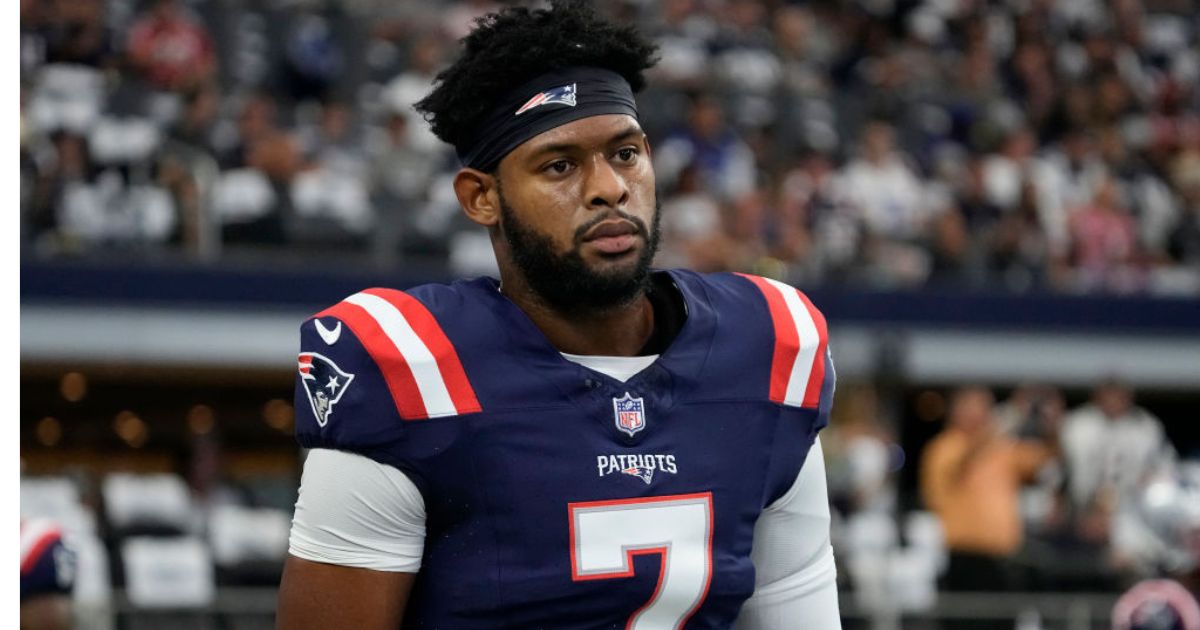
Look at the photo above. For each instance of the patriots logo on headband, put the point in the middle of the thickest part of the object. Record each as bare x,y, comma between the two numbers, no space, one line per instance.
564,95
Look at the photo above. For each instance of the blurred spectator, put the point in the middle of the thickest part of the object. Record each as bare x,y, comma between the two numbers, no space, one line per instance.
313,58
893,205
64,165
1105,242
818,222
683,31
862,456
66,32
745,64
170,48
458,18
971,475
1066,177
427,54
1111,448
399,183
1184,240
253,194
1036,412
884,186
724,161
196,126
331,198
1151,205
692,227
401,171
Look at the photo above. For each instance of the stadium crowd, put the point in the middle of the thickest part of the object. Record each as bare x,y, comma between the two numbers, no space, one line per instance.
1017,144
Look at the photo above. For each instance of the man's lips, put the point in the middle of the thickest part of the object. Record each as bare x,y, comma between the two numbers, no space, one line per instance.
612,237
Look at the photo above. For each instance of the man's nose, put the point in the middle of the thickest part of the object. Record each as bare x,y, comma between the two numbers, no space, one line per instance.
605,188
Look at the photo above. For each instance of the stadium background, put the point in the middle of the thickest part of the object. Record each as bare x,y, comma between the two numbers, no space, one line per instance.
1002,192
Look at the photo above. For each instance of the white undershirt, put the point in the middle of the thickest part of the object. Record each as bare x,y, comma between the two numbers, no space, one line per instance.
353,511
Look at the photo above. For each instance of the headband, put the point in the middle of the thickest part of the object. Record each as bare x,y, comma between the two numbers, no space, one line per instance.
551,100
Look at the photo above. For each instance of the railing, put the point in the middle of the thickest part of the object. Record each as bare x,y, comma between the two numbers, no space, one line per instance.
254,609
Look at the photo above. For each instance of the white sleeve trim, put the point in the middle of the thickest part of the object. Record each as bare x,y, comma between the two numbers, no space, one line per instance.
795,584
355,512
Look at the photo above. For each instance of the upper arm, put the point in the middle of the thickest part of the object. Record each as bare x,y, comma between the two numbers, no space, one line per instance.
356,545
1031,456
795,575
46,612
318,595
935,474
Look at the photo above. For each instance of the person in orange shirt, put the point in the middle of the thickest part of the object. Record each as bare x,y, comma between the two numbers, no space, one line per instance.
971,475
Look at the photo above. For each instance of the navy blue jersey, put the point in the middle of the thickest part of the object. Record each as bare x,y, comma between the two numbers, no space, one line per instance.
555,495
47,565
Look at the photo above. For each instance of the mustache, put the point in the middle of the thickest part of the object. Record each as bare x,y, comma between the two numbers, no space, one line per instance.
638,223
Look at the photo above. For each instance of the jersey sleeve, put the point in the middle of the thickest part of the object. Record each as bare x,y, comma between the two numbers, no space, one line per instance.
371,365
795,581
801,378
47,564
802,374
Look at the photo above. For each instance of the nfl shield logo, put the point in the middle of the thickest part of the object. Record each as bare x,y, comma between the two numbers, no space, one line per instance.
629,413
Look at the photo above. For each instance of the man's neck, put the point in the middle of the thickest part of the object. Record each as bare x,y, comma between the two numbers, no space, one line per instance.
618,331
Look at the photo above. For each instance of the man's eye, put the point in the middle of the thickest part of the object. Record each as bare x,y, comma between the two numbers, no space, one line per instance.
627,154
558,167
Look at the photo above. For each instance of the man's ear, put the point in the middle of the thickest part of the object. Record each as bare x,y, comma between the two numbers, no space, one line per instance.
478,195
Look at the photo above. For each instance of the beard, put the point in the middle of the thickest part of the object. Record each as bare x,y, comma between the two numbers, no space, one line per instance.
564,281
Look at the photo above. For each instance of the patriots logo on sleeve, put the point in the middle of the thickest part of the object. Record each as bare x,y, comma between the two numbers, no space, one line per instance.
324,382
564,95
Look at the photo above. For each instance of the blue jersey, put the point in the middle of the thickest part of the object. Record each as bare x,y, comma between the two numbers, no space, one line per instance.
47,565
556,496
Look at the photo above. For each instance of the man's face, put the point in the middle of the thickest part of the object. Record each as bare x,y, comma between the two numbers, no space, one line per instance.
579,213
971,409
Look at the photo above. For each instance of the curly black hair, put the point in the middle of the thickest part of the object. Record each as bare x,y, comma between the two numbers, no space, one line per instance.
518,44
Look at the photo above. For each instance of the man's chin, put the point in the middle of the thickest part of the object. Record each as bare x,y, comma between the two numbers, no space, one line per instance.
615,267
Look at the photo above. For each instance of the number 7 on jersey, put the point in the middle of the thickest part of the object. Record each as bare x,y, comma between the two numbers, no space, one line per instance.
605,535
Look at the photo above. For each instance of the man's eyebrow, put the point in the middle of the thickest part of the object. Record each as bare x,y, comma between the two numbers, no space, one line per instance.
562,147
629,132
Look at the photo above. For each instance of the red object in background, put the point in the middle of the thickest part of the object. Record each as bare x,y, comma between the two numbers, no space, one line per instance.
171,48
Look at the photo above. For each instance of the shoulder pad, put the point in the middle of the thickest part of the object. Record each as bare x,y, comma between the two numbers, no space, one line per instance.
377,351
37,537
801,353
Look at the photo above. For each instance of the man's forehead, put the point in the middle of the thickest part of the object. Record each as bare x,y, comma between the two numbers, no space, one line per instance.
588,131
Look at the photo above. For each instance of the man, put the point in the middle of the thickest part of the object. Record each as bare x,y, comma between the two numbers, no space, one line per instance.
47,576
1112,448
583,444
971,476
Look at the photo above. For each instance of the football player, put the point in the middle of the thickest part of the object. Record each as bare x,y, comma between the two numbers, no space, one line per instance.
47,576
583,442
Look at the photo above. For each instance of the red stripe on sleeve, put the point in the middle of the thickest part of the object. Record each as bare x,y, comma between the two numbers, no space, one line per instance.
787,342
48,538
449,365
816,378
399,377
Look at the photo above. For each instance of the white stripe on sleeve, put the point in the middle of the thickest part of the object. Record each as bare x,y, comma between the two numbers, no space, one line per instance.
806,331
416,354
